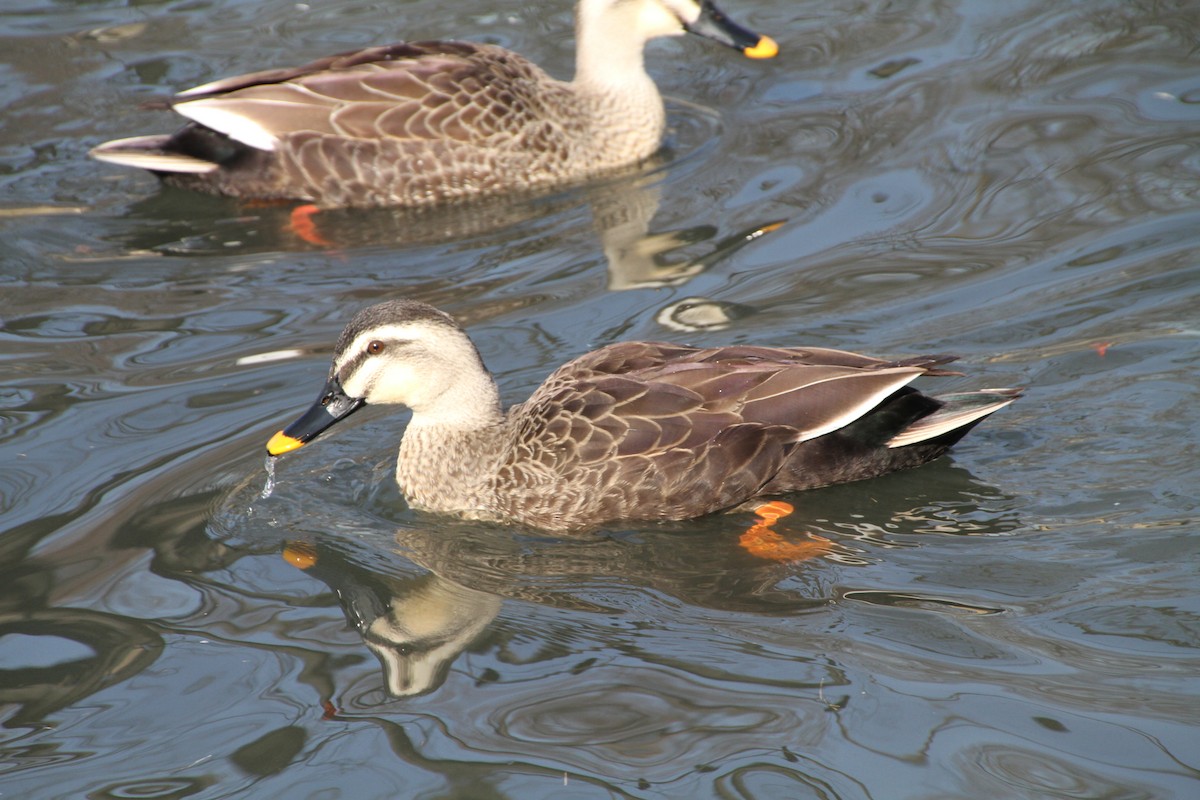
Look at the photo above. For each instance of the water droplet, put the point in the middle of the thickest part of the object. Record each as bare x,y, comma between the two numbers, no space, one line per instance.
270,485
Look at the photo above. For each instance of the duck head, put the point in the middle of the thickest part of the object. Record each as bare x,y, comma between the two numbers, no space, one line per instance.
400,352
642,20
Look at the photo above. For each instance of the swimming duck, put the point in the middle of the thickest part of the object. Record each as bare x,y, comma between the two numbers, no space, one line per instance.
635,430
422,123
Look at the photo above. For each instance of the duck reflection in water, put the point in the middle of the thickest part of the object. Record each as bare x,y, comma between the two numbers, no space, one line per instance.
416,626
637,255
440,592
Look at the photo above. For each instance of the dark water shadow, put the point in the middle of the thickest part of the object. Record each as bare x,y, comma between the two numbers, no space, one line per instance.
93,649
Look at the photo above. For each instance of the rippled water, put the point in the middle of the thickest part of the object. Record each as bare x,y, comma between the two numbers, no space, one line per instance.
1017,183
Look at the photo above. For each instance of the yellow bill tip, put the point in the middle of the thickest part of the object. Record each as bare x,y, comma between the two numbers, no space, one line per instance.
282,443
766,48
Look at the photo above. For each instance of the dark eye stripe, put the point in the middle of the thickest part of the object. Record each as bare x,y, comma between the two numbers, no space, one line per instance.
351,366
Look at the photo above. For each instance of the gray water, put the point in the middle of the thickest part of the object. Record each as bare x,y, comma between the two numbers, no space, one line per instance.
1016,183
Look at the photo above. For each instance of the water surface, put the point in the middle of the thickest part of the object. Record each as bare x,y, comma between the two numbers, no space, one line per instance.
1018,184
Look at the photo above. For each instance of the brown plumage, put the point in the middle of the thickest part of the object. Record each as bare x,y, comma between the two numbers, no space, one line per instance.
423,123
636,430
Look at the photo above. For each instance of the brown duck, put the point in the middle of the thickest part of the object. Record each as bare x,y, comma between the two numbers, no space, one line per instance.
636,430
422,123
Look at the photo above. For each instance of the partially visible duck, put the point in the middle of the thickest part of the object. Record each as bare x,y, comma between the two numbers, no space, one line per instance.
423,123
636,430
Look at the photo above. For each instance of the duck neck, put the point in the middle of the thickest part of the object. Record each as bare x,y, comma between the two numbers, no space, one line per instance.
446,455
448,469
468,400
610,72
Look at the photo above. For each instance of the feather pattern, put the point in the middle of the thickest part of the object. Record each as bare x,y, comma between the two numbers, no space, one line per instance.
639,430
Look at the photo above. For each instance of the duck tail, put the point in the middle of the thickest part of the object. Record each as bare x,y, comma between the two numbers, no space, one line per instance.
958,414
154,153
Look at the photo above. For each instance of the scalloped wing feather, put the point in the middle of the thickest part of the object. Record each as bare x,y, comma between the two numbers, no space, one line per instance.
662,431
642,428
439,91
399,52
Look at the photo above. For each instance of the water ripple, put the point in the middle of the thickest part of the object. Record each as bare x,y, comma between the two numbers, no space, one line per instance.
1039,774
652,722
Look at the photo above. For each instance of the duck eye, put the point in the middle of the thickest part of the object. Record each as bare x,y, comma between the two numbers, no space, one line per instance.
375,347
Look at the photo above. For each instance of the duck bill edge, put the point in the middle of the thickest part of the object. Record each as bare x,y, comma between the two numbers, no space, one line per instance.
332,406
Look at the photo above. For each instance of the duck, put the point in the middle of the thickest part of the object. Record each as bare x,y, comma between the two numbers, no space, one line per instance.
424,123
633,430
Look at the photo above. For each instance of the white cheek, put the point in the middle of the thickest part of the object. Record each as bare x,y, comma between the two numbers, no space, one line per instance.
404,384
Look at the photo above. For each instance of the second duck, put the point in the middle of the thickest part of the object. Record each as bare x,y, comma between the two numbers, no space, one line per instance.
423,123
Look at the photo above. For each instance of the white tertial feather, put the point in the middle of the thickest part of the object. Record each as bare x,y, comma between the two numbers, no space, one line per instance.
217,114
862,403
204,88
